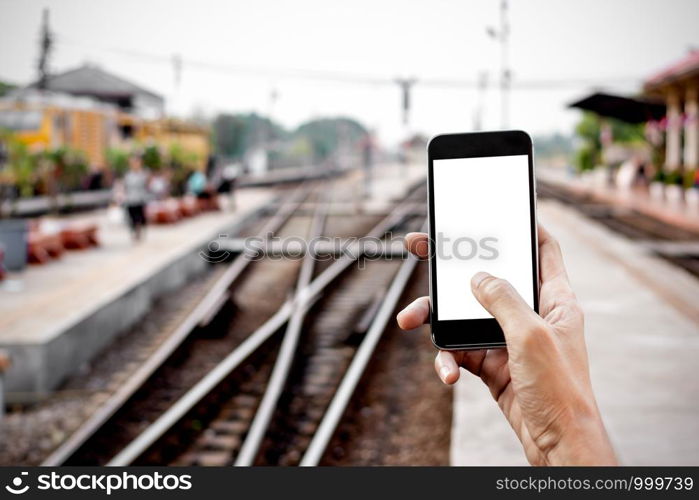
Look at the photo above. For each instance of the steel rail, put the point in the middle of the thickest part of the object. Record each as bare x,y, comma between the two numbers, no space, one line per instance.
204,309
319,248
337,406
202,388
285,358
303,299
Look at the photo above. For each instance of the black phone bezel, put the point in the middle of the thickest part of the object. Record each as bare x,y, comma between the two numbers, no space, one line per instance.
487,333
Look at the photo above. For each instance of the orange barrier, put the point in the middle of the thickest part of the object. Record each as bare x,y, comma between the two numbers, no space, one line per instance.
163,212
174,209
44,247
79,236
209,204
189,206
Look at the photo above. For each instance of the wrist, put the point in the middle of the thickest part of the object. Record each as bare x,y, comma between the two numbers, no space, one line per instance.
584,442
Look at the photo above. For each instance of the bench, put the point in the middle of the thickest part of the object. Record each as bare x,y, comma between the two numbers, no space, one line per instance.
163,212
209,204
189,206
43,247
79,236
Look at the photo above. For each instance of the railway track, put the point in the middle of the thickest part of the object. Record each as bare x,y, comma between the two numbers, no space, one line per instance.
81,446
210,398
674,244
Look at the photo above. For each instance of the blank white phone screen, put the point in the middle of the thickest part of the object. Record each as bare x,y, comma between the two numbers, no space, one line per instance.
482,223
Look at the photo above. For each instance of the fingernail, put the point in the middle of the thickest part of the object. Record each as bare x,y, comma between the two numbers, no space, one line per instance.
478,277
398,316
402,313
444,373
413,306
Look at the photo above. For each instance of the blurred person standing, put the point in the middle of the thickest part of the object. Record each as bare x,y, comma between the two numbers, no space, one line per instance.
229,177
135,188
196,183
95,179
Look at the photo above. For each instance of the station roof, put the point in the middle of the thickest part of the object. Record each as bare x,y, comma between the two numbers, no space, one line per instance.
685,68
92,80
627,109
35,99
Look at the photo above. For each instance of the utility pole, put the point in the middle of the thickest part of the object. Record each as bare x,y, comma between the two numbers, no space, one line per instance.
45,45
177,69
173,103
405,85
268,139
502,35
478,114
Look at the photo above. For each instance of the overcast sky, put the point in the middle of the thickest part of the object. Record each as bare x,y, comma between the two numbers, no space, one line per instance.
614,43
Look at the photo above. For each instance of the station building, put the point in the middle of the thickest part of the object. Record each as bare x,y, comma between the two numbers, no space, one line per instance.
678,86
91,110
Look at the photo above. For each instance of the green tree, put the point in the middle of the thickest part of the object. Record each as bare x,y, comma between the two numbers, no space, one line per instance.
64,166
152,158
588,129
118,161
234,134
5,88
21,166
326,134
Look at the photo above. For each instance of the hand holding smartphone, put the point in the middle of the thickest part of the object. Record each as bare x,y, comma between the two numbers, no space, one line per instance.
482,217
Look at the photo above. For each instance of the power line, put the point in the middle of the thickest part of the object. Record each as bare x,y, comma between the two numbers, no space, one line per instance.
345,77
251,70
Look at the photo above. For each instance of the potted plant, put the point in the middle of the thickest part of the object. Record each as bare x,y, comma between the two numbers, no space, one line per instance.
73,173
674,191
152,159
656,188
118,161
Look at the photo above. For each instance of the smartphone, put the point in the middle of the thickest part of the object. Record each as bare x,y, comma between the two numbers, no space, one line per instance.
482,217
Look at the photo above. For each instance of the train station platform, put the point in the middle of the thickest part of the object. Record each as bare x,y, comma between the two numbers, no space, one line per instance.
56,316
642,330
675,214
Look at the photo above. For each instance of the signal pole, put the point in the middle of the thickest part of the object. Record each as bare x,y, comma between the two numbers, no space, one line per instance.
504,62
406,86
502,35
478,114
174,101
177,69
45,45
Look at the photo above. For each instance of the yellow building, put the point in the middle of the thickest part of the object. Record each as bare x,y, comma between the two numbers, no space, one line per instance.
49,120
168,133
92,110
44,120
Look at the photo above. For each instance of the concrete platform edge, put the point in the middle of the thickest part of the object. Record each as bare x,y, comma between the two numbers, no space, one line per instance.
40,368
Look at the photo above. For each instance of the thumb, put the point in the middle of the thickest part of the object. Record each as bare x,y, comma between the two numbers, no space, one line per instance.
514,315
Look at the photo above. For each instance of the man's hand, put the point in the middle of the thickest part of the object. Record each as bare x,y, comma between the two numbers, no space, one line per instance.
541,381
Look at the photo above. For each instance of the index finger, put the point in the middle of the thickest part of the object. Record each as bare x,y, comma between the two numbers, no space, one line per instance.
551,267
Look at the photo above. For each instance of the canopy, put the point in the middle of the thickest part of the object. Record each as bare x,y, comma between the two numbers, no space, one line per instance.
627,109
